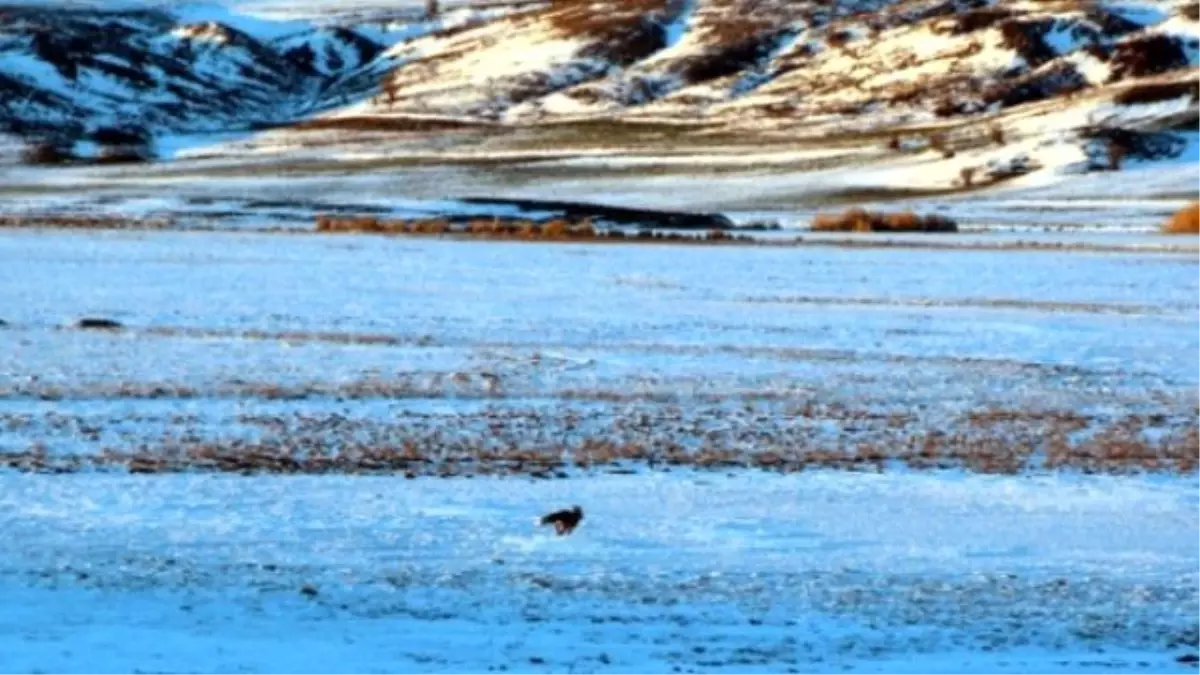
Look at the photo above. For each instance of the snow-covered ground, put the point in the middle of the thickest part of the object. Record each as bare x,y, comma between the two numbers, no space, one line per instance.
335,100
688,573
256,195
392,332
240,336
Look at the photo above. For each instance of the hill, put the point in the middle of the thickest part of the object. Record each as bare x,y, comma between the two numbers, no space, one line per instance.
980,91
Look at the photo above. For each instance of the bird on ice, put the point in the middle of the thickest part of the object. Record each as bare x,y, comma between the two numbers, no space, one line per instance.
564,521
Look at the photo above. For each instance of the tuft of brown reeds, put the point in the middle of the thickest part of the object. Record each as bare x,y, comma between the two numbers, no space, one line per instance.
1184,221
860,220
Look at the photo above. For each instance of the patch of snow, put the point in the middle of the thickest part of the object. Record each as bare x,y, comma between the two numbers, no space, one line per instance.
1094,70
205,573
675,29
27,68
1139,115
1063,37
1141,13
240,18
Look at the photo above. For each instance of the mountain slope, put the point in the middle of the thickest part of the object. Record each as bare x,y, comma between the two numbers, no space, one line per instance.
995,88
67,72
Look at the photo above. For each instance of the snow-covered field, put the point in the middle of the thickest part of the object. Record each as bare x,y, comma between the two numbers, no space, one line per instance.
385,340
326,453
818,572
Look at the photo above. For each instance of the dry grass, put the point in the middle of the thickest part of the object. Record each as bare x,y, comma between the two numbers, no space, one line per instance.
861,220
497,442
72,221
1146,55
46,154
1185,220
552,229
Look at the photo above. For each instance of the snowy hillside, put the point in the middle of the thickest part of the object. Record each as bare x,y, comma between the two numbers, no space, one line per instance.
70,74
986,91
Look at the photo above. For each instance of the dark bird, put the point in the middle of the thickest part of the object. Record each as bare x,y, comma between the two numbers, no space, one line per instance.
564,521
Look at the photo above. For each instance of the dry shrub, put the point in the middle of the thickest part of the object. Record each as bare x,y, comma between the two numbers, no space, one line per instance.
1058,79
717,235
906,221
733,52
1108,147
967,175
1116,154
483,227
620,31
528,229
83,222
585,230
860,220
996,134
1185,220
554,229
1026,37
432,226
45,154
326,223
838,38
1147,54
940,143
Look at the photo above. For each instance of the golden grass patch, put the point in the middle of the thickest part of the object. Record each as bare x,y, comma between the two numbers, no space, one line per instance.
860,220
1184,221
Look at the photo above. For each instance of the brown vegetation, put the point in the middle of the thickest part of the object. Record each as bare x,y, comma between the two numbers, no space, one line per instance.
1184,221
553,229
861,220
497,442
940,143
46,153
1027,38
1147,54
76,221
